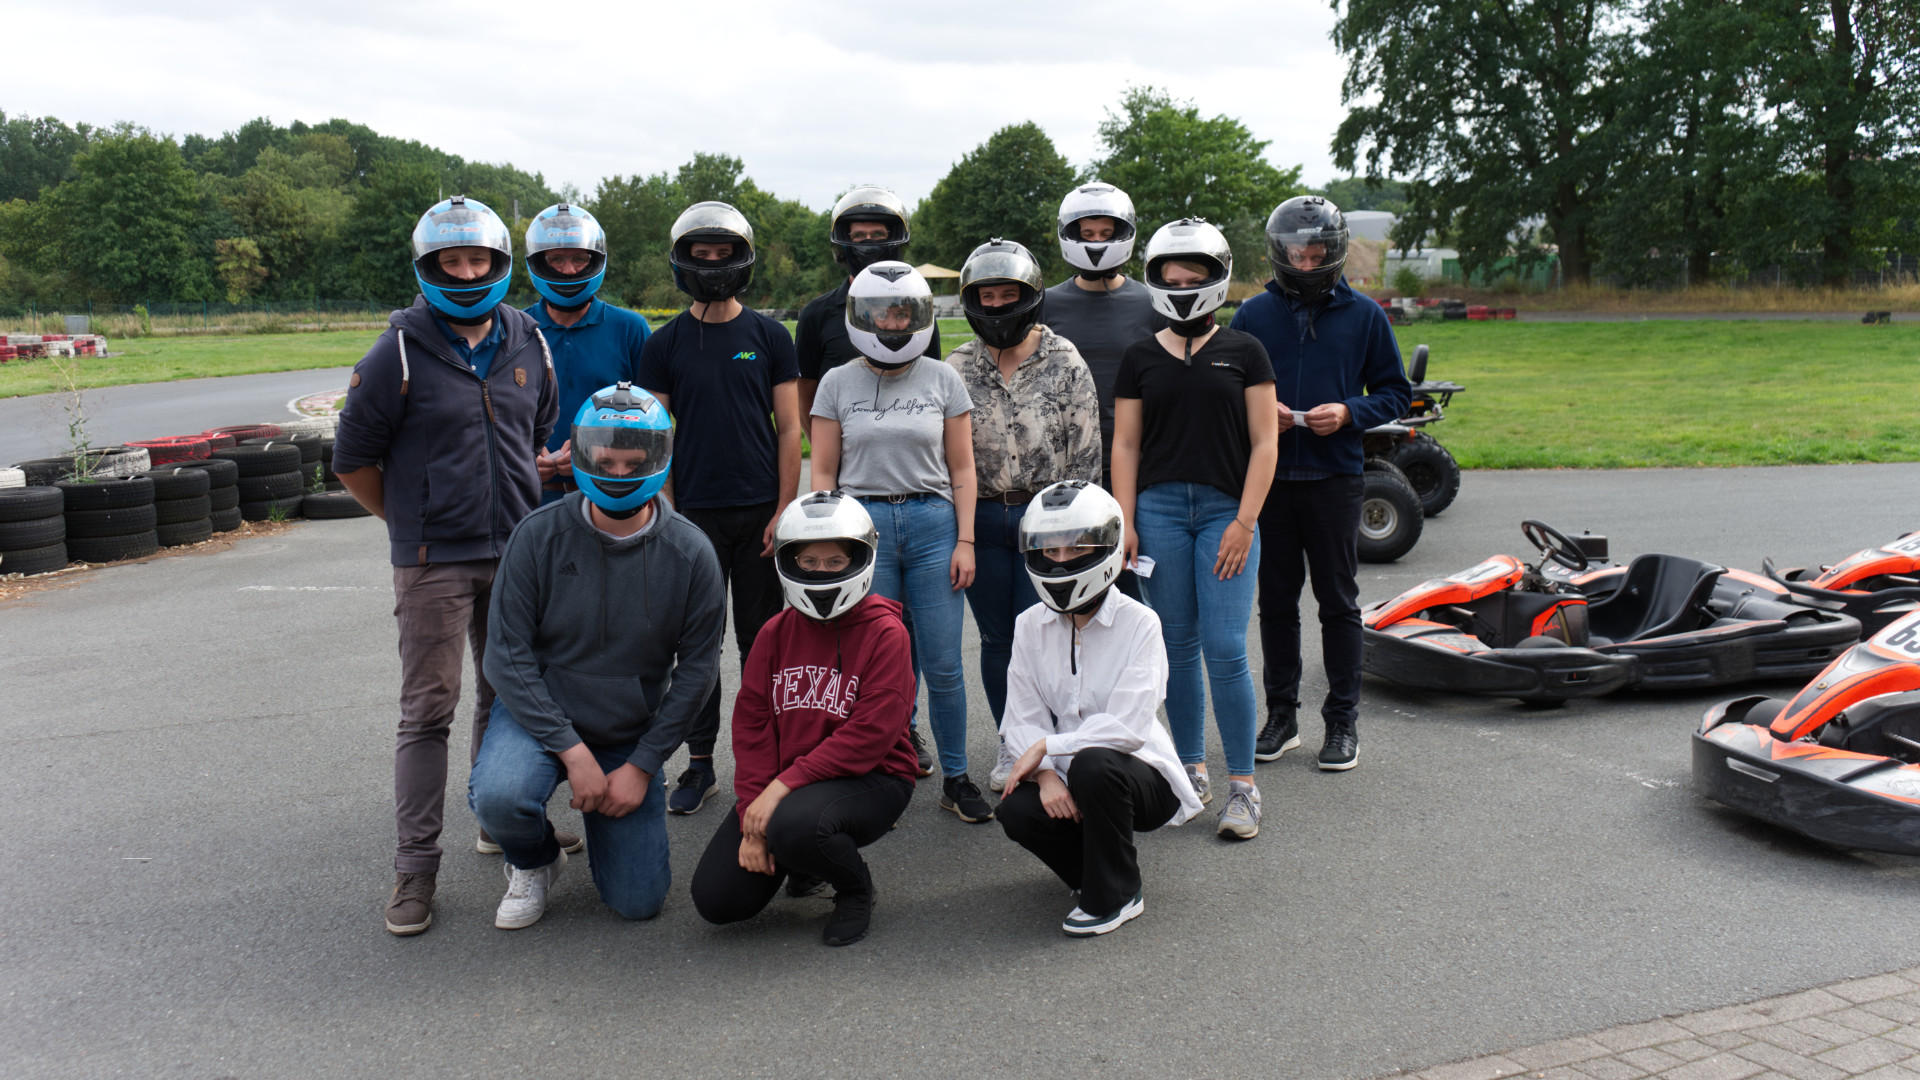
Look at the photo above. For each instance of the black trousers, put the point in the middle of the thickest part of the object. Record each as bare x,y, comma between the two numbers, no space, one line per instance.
1118,795
735,533
817,831
1310,528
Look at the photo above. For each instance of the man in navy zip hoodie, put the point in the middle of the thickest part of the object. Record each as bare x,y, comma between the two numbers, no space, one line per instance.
444,416
1334,359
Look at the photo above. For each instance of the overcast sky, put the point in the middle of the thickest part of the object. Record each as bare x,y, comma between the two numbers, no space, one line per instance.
815,97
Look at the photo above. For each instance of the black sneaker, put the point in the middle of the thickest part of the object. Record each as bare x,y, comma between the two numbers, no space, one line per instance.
920,751
1281,734
691,790
960,796
852,914
1342,748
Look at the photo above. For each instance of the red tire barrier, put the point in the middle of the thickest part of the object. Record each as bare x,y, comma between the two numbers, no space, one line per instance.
175,448
247,431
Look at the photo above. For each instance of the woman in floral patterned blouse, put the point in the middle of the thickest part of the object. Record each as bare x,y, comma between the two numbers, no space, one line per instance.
1036,422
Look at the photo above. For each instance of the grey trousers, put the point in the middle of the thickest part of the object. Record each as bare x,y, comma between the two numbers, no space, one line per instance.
442,610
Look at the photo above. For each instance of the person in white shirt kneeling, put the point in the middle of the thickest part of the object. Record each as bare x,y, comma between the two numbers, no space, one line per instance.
1093,763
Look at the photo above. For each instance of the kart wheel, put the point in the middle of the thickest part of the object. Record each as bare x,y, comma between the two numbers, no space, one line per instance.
1390,515
1541,641
1431,470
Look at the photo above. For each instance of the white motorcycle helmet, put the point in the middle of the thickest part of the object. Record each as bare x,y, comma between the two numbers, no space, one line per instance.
1097,258
1189,240
890,314
1078,517
825,516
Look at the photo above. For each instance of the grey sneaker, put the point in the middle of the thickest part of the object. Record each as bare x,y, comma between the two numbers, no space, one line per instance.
1201,787
1240,818
526,898
997,779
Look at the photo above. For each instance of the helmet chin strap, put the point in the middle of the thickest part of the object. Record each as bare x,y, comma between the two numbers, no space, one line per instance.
622,515
468,320
1101,275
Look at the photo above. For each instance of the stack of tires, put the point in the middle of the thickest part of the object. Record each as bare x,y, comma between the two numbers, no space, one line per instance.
239,432
174,448
108,462
312,469
223,491
33,529
110,520
182,507
271,481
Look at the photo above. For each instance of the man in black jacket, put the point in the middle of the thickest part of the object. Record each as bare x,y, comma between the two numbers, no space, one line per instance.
443,419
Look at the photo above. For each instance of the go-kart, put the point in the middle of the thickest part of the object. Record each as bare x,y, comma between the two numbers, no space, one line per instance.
1876,586
1409,476
1840,762
1664,622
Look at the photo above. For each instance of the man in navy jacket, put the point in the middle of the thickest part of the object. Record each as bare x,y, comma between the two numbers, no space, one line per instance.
1336,363
443,419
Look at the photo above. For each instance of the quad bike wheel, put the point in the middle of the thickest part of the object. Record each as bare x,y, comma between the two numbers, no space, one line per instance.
1390,514
1431,470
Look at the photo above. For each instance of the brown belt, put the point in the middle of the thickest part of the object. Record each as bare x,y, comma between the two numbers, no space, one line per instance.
1010,498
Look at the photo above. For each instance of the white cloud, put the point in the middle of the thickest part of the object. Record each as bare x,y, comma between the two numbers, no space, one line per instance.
814,97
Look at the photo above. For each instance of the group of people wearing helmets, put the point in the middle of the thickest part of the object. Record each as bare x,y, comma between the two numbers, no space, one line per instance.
1108,478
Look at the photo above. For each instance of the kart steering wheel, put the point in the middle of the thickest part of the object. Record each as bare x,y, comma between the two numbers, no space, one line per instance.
1554,544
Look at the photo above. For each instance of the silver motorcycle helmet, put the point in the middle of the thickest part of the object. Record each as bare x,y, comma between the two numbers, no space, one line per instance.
868,203
711,280
825,592
1097,258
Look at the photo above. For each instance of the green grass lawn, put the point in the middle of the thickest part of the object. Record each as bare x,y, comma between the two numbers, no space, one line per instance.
1539,395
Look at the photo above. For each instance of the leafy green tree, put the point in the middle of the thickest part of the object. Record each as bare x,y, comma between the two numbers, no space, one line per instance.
1009,186
36,154
124,223
380,228
637,211
240,267
1496,113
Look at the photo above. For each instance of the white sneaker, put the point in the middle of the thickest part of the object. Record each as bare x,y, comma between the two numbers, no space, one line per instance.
1081,924
526,898
997,779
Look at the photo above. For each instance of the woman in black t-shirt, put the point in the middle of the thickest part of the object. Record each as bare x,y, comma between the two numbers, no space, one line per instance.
1195,434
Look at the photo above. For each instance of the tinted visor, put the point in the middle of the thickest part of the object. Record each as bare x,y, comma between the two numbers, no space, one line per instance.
469,224
1083,547
890,315
617,453
1216,270
1001,266
1122,229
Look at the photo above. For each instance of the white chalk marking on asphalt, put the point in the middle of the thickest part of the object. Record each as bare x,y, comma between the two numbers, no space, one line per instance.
315,588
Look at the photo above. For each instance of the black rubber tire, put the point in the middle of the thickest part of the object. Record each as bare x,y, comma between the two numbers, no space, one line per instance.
335,485
334,504
182,533
316,477
26,535
123,521
178,483
271,460
263,510
279,486
34,560
220,471
44,472
309,445
106,549
1390,517
1431,470
225,520
223,498
107,494
31,503
176,511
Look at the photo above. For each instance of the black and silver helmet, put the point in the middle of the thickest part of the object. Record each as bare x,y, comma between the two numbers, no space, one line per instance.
825,516
1307,230
868,204
1189,240
1098,258
1079,520
1002,262
710,280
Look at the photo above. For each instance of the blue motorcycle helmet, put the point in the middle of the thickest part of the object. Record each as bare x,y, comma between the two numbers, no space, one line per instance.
622,449
563,227
461,222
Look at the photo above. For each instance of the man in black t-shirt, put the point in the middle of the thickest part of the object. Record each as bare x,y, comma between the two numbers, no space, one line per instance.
869,226
721,371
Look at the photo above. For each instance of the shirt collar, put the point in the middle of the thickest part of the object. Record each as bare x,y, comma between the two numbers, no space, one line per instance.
459,342
592,317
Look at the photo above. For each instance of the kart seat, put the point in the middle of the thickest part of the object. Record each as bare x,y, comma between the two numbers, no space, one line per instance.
1660,595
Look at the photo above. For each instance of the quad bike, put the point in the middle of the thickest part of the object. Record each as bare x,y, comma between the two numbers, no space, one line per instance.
1840,762
1664,622
1409,476
1876,586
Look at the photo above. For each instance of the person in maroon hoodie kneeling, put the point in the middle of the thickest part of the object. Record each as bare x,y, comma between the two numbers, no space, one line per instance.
823,765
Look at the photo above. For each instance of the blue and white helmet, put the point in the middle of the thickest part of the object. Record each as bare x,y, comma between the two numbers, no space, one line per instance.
563,227
461,222
622,448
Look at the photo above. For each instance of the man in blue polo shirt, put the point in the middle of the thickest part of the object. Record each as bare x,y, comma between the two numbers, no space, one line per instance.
594,343
729,377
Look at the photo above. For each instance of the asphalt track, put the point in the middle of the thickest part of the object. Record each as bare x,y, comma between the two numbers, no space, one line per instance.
196,762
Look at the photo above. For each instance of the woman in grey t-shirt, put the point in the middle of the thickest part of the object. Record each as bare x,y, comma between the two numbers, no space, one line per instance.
893,432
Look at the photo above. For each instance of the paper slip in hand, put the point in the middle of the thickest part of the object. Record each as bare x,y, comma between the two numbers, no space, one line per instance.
1143,565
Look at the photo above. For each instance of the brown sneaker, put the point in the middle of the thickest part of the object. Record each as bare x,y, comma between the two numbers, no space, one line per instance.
569,843
410,909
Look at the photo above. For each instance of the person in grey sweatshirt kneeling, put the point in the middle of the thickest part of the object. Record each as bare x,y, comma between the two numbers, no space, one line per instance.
602,645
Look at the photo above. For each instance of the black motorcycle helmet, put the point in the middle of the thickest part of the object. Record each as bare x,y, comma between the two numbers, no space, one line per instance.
875,204
1307,229
1002,262
711,280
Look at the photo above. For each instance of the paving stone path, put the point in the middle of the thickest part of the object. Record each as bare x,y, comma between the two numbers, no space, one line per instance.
1867,1028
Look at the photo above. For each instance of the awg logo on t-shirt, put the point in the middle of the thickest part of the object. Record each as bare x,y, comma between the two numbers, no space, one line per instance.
746,356
812,686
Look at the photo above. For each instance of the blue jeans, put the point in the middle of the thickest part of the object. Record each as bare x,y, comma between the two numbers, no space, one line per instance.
508,791
1001,590
916,552
1180,526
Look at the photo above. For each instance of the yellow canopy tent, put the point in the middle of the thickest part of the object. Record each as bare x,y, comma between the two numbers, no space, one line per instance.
935,274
